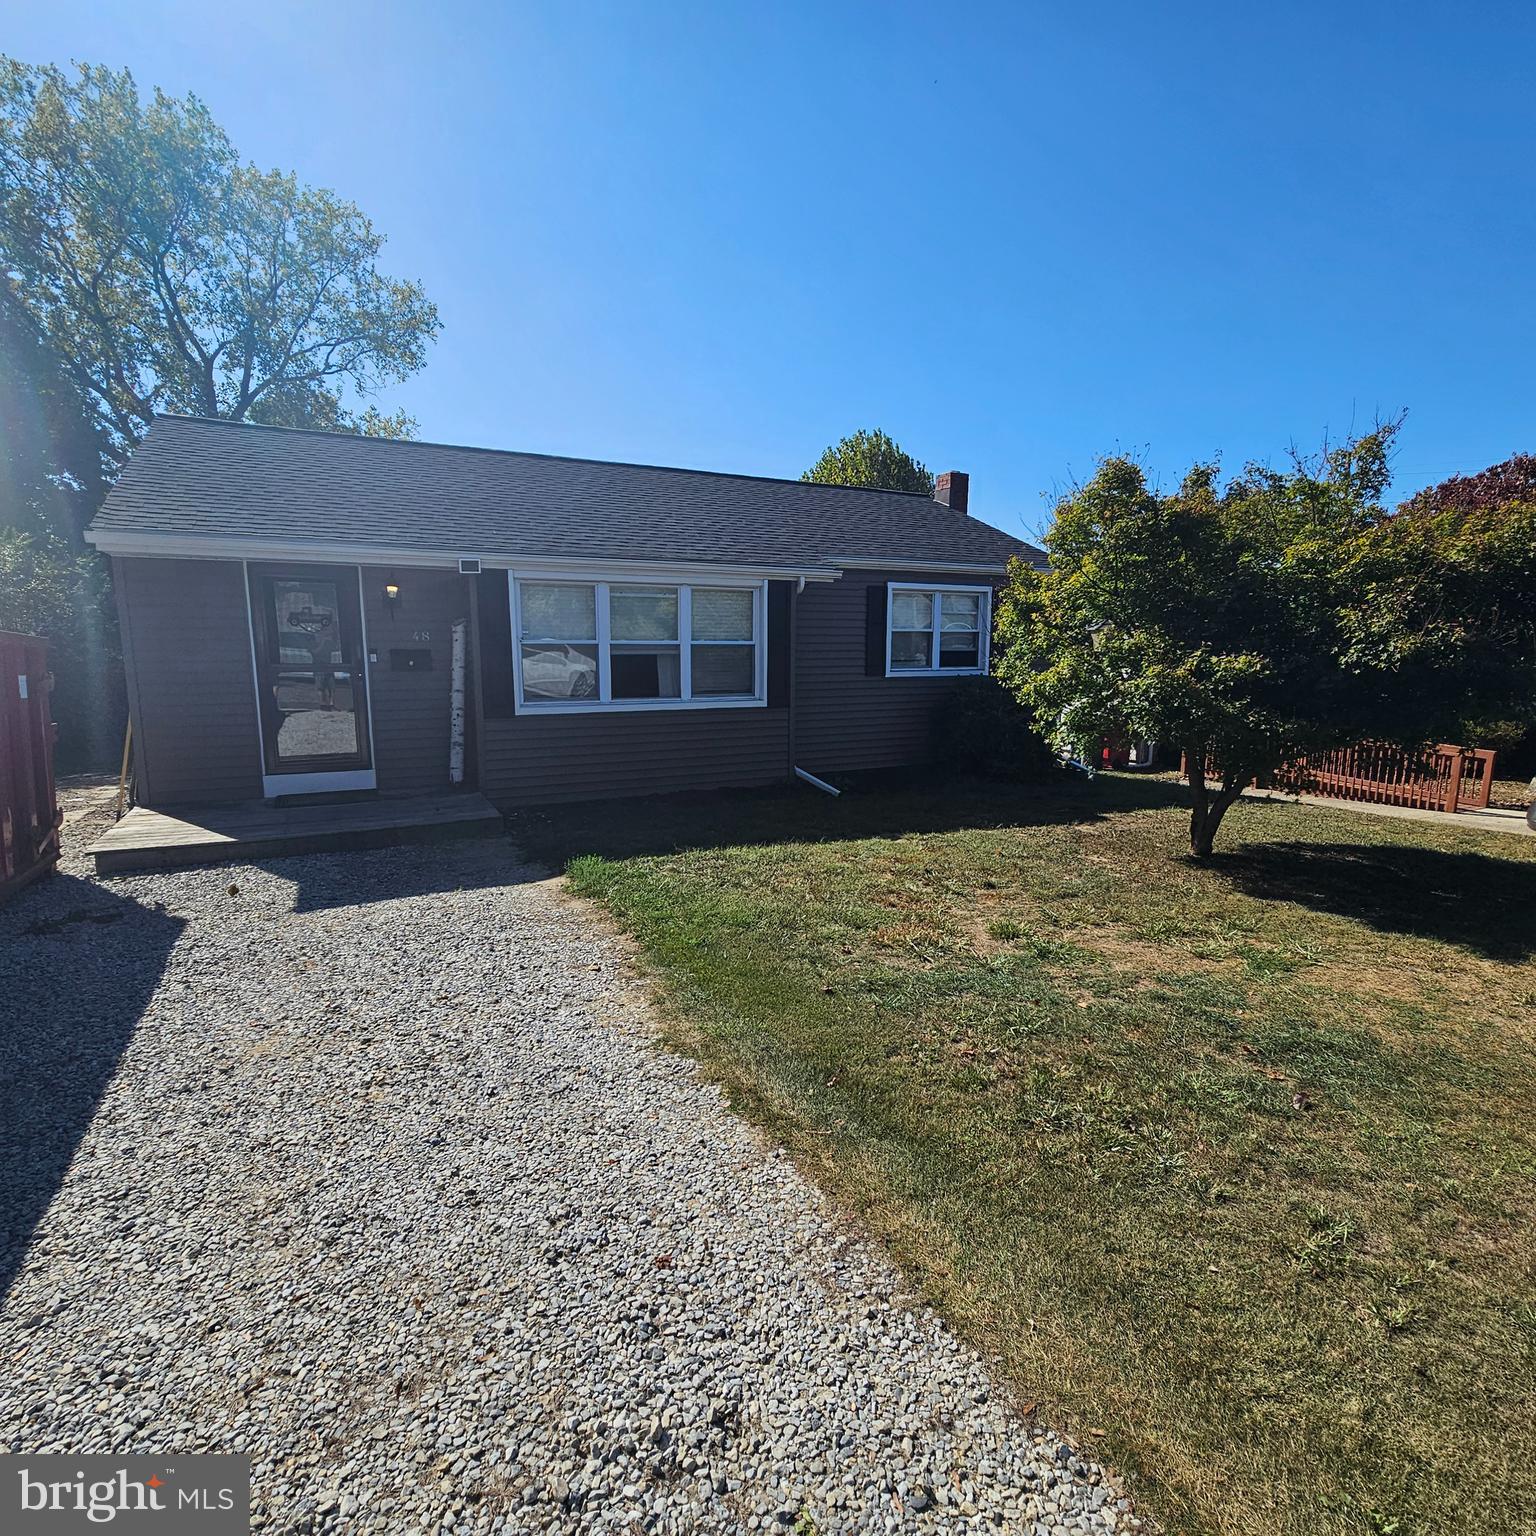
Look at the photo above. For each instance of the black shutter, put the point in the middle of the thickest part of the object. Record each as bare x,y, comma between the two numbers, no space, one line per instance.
874,629
498,692
778,644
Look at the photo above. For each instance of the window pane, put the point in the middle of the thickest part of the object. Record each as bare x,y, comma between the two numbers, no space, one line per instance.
721,615
961,610
912,650
644,674
558,612
642,613
959,650
911,610
559,671
723,669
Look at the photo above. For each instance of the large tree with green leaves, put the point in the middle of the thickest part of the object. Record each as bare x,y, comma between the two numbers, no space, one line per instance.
163,273
870,459
1258,621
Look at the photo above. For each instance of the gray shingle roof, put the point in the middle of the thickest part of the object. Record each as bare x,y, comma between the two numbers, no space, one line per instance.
195,477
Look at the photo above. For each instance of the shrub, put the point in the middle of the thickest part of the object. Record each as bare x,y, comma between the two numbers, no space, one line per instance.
981,728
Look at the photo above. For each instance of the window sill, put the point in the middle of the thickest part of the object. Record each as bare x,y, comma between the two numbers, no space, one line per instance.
935,671
629,706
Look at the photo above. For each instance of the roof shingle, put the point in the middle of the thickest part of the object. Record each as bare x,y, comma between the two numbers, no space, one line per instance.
217,479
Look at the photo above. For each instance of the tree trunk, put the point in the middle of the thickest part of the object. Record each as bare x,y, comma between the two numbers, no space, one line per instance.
1208,808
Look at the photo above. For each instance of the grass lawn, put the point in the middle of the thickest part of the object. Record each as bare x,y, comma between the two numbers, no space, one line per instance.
1233,1167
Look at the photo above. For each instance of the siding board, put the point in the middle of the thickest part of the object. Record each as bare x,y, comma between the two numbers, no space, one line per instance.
188,653
848,715
537,759
541,759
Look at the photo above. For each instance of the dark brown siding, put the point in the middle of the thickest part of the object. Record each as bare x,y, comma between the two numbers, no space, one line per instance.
535,759
845,719
410,709
187,649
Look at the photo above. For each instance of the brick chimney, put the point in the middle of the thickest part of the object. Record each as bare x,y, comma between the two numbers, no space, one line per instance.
952,489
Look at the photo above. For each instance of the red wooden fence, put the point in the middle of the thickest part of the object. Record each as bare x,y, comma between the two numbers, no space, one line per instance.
29,814
1443,778
1447,778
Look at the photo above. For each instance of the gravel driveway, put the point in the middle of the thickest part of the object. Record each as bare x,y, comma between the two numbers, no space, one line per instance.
367,1164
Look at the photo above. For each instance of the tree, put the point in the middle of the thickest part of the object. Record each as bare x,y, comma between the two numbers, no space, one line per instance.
1255,623
870,459
1448,589
51,449
164,274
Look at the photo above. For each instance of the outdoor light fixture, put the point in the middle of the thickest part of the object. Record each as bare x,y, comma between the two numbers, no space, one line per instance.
391,591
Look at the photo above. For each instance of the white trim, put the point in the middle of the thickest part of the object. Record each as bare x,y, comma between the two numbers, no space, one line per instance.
366,668
685,640
312,783
172,546
937,589
605,703
274,784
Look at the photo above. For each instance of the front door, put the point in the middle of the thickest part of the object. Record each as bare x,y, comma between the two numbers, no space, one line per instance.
311,680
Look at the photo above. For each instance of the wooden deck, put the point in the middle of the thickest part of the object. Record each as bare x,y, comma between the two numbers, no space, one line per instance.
146,839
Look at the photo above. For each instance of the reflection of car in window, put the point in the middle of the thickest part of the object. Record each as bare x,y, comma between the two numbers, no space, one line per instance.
559,672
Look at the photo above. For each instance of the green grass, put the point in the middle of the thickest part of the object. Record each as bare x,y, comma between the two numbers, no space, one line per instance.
1235,1163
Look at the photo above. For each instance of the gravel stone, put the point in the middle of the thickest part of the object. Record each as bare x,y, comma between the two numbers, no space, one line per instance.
370,1165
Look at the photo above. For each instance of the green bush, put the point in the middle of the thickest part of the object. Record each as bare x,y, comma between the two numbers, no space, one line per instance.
980,728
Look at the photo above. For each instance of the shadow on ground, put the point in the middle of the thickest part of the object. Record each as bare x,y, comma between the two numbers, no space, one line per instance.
1464,899
871,806
398,871
79,963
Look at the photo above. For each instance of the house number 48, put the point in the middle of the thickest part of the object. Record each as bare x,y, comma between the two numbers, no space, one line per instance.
422,636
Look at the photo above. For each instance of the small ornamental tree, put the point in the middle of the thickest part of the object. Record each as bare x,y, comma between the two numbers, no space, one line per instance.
1281,614
870,459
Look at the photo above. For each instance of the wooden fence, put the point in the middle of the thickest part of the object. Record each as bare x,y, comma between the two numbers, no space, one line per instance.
1444,778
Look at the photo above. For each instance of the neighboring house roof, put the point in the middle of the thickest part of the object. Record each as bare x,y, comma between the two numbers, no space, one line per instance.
194,480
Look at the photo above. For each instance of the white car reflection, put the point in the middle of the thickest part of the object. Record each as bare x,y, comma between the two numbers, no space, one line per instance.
559,672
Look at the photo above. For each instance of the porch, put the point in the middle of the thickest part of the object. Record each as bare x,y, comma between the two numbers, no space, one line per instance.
146,839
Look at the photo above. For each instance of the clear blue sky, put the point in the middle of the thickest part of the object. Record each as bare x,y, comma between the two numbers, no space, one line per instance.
1015,236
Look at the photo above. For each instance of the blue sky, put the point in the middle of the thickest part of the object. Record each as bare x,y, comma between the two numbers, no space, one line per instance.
1015,236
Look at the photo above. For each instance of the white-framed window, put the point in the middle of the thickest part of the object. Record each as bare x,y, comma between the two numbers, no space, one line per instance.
933,631
582,646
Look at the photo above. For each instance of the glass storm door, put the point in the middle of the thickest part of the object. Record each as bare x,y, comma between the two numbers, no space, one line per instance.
310,676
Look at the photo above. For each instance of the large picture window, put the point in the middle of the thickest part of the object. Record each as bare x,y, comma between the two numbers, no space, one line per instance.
936,631
592,645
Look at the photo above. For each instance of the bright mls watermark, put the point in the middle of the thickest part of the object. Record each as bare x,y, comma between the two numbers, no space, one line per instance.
193,1495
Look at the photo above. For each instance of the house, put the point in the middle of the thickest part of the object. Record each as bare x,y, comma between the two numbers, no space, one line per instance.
307,612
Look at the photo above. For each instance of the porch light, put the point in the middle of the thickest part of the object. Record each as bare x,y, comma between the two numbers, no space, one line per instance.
391,591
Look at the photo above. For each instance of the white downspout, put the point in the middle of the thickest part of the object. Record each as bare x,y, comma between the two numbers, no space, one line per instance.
821,784
456,707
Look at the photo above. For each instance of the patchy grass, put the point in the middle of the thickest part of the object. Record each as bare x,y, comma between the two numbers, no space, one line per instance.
1235,1161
